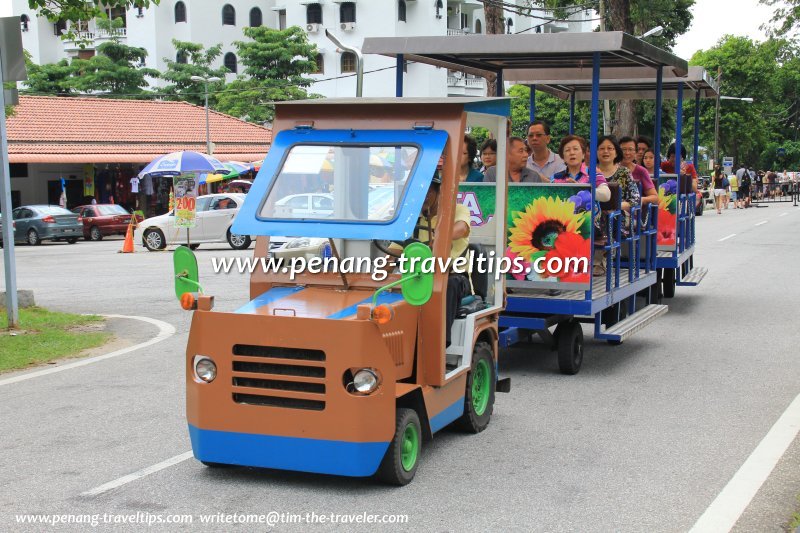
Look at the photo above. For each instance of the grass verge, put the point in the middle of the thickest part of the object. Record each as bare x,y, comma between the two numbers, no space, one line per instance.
46,335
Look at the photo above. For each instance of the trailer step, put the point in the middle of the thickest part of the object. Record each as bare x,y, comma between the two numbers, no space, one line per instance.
637,321
694,277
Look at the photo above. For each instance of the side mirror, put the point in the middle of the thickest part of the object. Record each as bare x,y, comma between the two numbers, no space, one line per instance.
186,274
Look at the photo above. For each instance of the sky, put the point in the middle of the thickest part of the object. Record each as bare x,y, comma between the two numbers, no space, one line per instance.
712,20
715,18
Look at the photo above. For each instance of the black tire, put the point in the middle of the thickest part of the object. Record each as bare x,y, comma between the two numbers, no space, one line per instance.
153,239
238,242
669,283
392,470
95,234
194,246
33,238
72,240
570,347
472,421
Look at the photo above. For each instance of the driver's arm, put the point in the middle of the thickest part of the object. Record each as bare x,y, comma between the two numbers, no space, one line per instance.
460,230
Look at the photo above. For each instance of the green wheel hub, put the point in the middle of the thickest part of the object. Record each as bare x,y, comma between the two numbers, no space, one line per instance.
410,450
481,386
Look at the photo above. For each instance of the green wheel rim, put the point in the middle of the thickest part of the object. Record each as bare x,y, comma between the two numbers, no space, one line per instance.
481,383
410,443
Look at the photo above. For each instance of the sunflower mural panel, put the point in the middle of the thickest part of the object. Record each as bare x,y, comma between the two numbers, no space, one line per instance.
666,238
549,223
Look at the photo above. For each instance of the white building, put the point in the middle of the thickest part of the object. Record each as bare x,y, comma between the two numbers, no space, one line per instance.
210,22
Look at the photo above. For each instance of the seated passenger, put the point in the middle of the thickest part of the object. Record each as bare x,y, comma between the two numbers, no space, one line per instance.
516,161
609,157
458,283
639,173
466,170
488,154
541,160
649,162
687,169
573,150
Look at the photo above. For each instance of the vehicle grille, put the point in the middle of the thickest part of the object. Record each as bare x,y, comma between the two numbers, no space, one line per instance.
289,378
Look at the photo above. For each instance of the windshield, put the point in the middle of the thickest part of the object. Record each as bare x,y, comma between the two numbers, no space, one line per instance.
344,183
53,210
111,210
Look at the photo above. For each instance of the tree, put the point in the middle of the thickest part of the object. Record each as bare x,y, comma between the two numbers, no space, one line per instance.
549,108
785,18
276,62
50,78
75,10
196,61
769,72
116,69
495,24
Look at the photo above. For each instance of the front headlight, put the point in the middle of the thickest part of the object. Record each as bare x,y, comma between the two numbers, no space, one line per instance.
204,368
365,381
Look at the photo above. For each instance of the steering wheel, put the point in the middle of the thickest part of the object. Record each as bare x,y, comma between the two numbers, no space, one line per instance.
382,245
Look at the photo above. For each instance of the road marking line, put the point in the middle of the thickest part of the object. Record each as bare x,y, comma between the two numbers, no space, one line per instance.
165,330
728,237
728,506
783,214
762,222
138,474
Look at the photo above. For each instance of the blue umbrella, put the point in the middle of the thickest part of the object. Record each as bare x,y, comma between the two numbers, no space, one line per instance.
179,162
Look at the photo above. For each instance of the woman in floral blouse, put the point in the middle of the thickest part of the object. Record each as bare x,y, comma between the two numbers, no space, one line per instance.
609,156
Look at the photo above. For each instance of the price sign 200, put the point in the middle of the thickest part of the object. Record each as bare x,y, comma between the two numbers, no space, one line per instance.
187,203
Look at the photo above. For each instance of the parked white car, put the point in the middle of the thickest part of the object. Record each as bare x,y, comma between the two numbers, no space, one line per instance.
215,214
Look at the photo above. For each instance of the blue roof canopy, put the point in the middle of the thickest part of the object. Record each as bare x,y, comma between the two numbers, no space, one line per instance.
430,144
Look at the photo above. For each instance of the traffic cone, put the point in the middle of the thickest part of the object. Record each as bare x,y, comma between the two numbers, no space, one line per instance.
127,246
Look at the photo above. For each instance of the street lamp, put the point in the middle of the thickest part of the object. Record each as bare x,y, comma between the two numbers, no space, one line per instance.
716,119
655,32
206,80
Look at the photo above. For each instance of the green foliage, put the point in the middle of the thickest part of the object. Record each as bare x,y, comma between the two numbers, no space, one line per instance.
198,63
785,18
769,72
276,62
549,108
75,10
114,70
51,78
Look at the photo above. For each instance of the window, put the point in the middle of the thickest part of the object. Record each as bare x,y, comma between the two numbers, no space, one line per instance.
256,19
23,22
180,12
347,12
282,19
314,14
81,26
401,10
509,25
464,21
139,12
348,62
18,170
59,28
222,202
230,62
181,58
228,15
118,13
320,64
478,27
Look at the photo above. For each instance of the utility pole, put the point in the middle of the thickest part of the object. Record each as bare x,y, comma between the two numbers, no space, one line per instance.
716,117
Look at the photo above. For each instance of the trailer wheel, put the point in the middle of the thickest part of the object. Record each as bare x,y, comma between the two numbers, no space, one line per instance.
570,347
669,282
400,462
479,398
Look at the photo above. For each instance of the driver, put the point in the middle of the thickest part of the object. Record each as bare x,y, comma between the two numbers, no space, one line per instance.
458,283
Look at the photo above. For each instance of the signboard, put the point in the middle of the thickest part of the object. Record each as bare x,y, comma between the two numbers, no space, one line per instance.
727,165
548,225
667,236
185,187
88,180
11,54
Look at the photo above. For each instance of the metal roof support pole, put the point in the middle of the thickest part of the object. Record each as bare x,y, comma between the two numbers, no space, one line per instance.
572,113
681,234
533,102
398,91
499,89
593,123
679,129
696,130
9,261
657,132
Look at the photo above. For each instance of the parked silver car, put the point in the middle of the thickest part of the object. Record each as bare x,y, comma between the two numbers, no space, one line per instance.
37,223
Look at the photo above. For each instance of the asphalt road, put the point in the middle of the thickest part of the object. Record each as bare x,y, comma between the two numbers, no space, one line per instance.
642,439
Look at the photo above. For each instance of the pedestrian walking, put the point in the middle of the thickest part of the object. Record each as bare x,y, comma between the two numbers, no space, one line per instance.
719,189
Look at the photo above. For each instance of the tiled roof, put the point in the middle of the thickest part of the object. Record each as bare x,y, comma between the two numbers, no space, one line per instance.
52,129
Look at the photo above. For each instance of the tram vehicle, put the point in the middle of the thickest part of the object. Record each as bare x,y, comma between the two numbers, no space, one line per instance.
555,306
347,373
